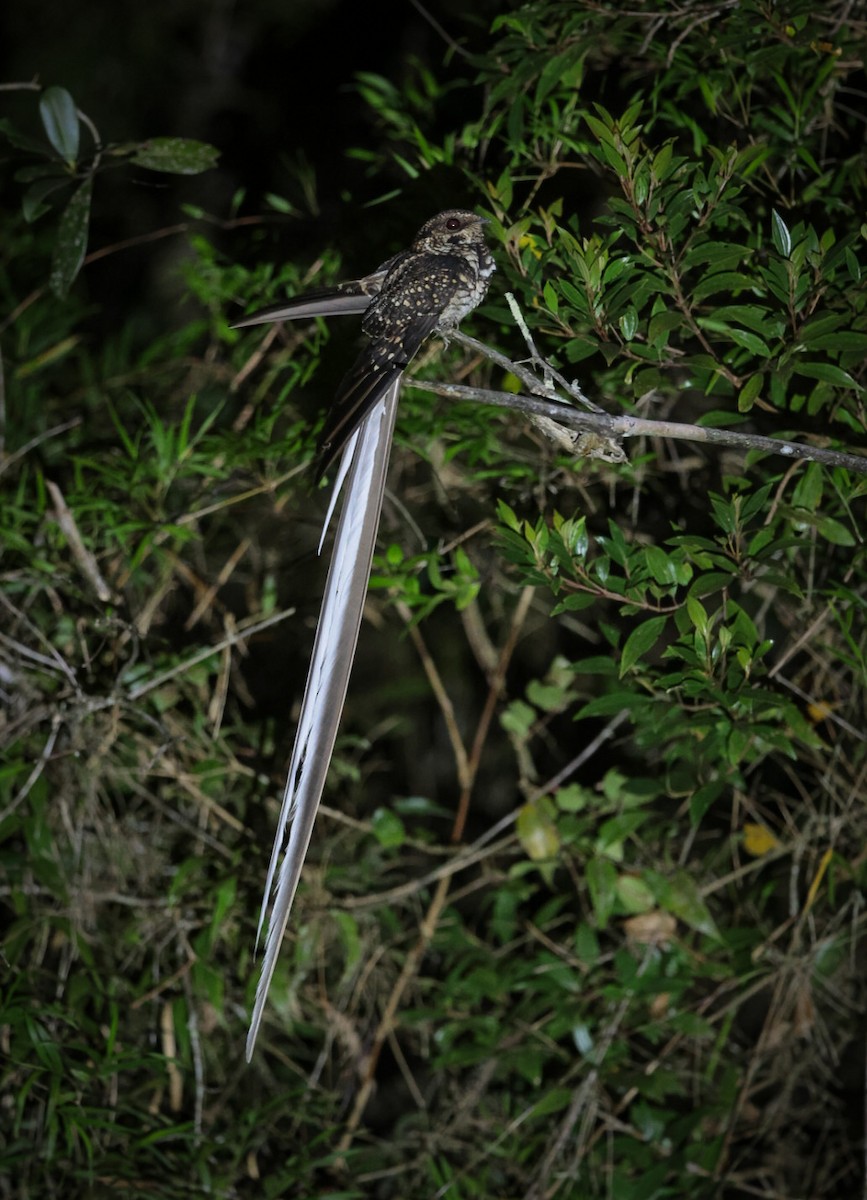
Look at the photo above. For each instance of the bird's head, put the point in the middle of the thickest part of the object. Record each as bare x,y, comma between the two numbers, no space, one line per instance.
451,229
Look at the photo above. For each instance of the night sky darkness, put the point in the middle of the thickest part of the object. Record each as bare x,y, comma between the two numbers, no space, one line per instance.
268,82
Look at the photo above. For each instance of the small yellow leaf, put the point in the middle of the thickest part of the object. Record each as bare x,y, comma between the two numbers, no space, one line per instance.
537,832
528,242
759,840
819,711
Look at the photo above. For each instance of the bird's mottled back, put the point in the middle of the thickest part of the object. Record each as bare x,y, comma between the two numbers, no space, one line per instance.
428,288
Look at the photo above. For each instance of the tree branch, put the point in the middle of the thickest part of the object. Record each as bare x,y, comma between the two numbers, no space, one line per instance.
598,435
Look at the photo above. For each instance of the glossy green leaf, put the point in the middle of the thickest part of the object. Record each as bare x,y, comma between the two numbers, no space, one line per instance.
70,244
827,373
60,122
722,281
780,234
750,392
642,639
629,324
176,156
808,490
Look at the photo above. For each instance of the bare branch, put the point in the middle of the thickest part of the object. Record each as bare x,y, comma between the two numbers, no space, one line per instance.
616,428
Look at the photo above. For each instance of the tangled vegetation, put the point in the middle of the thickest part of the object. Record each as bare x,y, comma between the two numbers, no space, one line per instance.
584,912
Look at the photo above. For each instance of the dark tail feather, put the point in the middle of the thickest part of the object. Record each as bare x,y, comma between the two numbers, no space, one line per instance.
329,302
362,387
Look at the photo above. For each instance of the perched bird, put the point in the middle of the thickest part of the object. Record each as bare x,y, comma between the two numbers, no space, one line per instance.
425,289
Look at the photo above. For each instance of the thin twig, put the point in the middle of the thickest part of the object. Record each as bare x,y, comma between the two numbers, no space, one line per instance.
233,639
6,461
85,559
439,690
578,761
38,768
549,373
494,693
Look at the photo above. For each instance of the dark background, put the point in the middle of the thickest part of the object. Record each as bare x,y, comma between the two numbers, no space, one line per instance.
270,84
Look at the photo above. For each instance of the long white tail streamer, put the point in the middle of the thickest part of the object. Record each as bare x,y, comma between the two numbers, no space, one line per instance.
363,468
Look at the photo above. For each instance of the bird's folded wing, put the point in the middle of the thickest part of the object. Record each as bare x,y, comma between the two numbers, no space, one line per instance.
370,377
365,460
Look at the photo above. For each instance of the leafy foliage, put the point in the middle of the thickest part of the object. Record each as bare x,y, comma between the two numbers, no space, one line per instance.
62,164
634,694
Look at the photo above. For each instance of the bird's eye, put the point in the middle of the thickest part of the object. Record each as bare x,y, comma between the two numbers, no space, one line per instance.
453,223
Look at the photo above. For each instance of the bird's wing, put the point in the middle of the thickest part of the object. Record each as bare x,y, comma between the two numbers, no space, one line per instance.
372,374
364,466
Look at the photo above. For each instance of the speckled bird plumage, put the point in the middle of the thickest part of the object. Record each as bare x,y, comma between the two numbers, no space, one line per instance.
427,288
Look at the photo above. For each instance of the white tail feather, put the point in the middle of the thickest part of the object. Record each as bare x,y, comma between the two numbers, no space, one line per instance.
363,466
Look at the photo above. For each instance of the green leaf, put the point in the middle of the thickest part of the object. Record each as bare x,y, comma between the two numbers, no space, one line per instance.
827,373
71,243
720,255
697,614
749,392
176,156
629,324
640,641
388,829
634,894
561,70
663,567
780,234
554,1101
741,337
681,897
537,832
60,122
843,339
518,718
602,882
508,516
348,927
20,140
33,201
550,293
550,697
587,943
722,281
808,492
606,706
832,531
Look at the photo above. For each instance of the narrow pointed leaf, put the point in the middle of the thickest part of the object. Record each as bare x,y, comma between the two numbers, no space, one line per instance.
639,642
780,234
